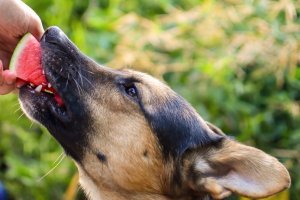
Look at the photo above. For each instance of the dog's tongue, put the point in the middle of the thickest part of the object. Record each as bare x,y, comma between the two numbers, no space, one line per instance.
26,62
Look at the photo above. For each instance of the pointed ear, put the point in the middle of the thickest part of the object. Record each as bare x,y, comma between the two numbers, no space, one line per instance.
215,129
233,167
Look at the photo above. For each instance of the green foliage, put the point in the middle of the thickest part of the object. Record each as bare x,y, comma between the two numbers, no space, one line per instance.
236,61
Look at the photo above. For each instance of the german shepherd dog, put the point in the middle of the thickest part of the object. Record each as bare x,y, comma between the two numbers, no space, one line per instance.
132,137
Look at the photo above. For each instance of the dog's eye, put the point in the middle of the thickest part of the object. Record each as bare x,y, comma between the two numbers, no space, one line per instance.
131,90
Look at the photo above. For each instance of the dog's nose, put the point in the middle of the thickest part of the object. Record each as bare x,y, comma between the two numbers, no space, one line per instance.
54,35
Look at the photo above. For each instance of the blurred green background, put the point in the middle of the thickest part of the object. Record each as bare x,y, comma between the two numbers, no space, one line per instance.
236,61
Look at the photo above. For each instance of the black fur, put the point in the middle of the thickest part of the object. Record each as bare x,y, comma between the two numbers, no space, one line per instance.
101,157
178,127
62,61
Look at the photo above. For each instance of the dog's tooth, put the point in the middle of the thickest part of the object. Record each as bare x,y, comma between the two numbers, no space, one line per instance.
38,88
43,72
48,91
49,85
31,84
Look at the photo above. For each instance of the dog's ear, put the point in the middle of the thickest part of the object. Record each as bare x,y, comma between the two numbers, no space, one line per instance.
215,129
232,167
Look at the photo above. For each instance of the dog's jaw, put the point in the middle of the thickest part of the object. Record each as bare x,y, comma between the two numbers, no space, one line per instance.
67,123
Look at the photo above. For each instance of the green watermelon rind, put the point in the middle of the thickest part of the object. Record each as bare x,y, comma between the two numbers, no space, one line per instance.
18,50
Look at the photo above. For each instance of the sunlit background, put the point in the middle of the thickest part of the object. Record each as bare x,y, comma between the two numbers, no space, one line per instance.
236,61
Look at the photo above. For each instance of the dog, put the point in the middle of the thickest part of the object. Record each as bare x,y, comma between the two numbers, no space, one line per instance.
132,137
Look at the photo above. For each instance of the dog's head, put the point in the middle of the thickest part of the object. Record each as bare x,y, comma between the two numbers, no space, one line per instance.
132,137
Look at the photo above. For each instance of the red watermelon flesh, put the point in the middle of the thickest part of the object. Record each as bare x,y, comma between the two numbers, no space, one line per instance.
26,62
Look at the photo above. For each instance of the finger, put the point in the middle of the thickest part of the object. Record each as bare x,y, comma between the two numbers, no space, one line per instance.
1,72
5,58
35,27
9,77
9,83
32,21
5,89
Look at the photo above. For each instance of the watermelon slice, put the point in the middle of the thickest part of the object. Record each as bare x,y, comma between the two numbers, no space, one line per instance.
26,62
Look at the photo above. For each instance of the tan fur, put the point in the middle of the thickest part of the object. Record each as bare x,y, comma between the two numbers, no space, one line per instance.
134,138
263,167
240,169
129,174
135,163
135,167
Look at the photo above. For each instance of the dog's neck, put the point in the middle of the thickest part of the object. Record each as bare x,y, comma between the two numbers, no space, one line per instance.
95,192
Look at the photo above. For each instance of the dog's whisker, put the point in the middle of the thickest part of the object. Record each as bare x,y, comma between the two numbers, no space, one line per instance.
20,116
89,82
52,169
58,158
66,87
31,125
87,71
56,79
77,87
80,91
80,76
16,104
18,109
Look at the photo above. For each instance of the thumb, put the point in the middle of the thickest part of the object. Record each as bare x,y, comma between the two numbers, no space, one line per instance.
35,27
32,20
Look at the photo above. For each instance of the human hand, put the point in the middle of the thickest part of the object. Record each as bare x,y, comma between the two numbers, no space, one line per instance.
16,19
7,80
